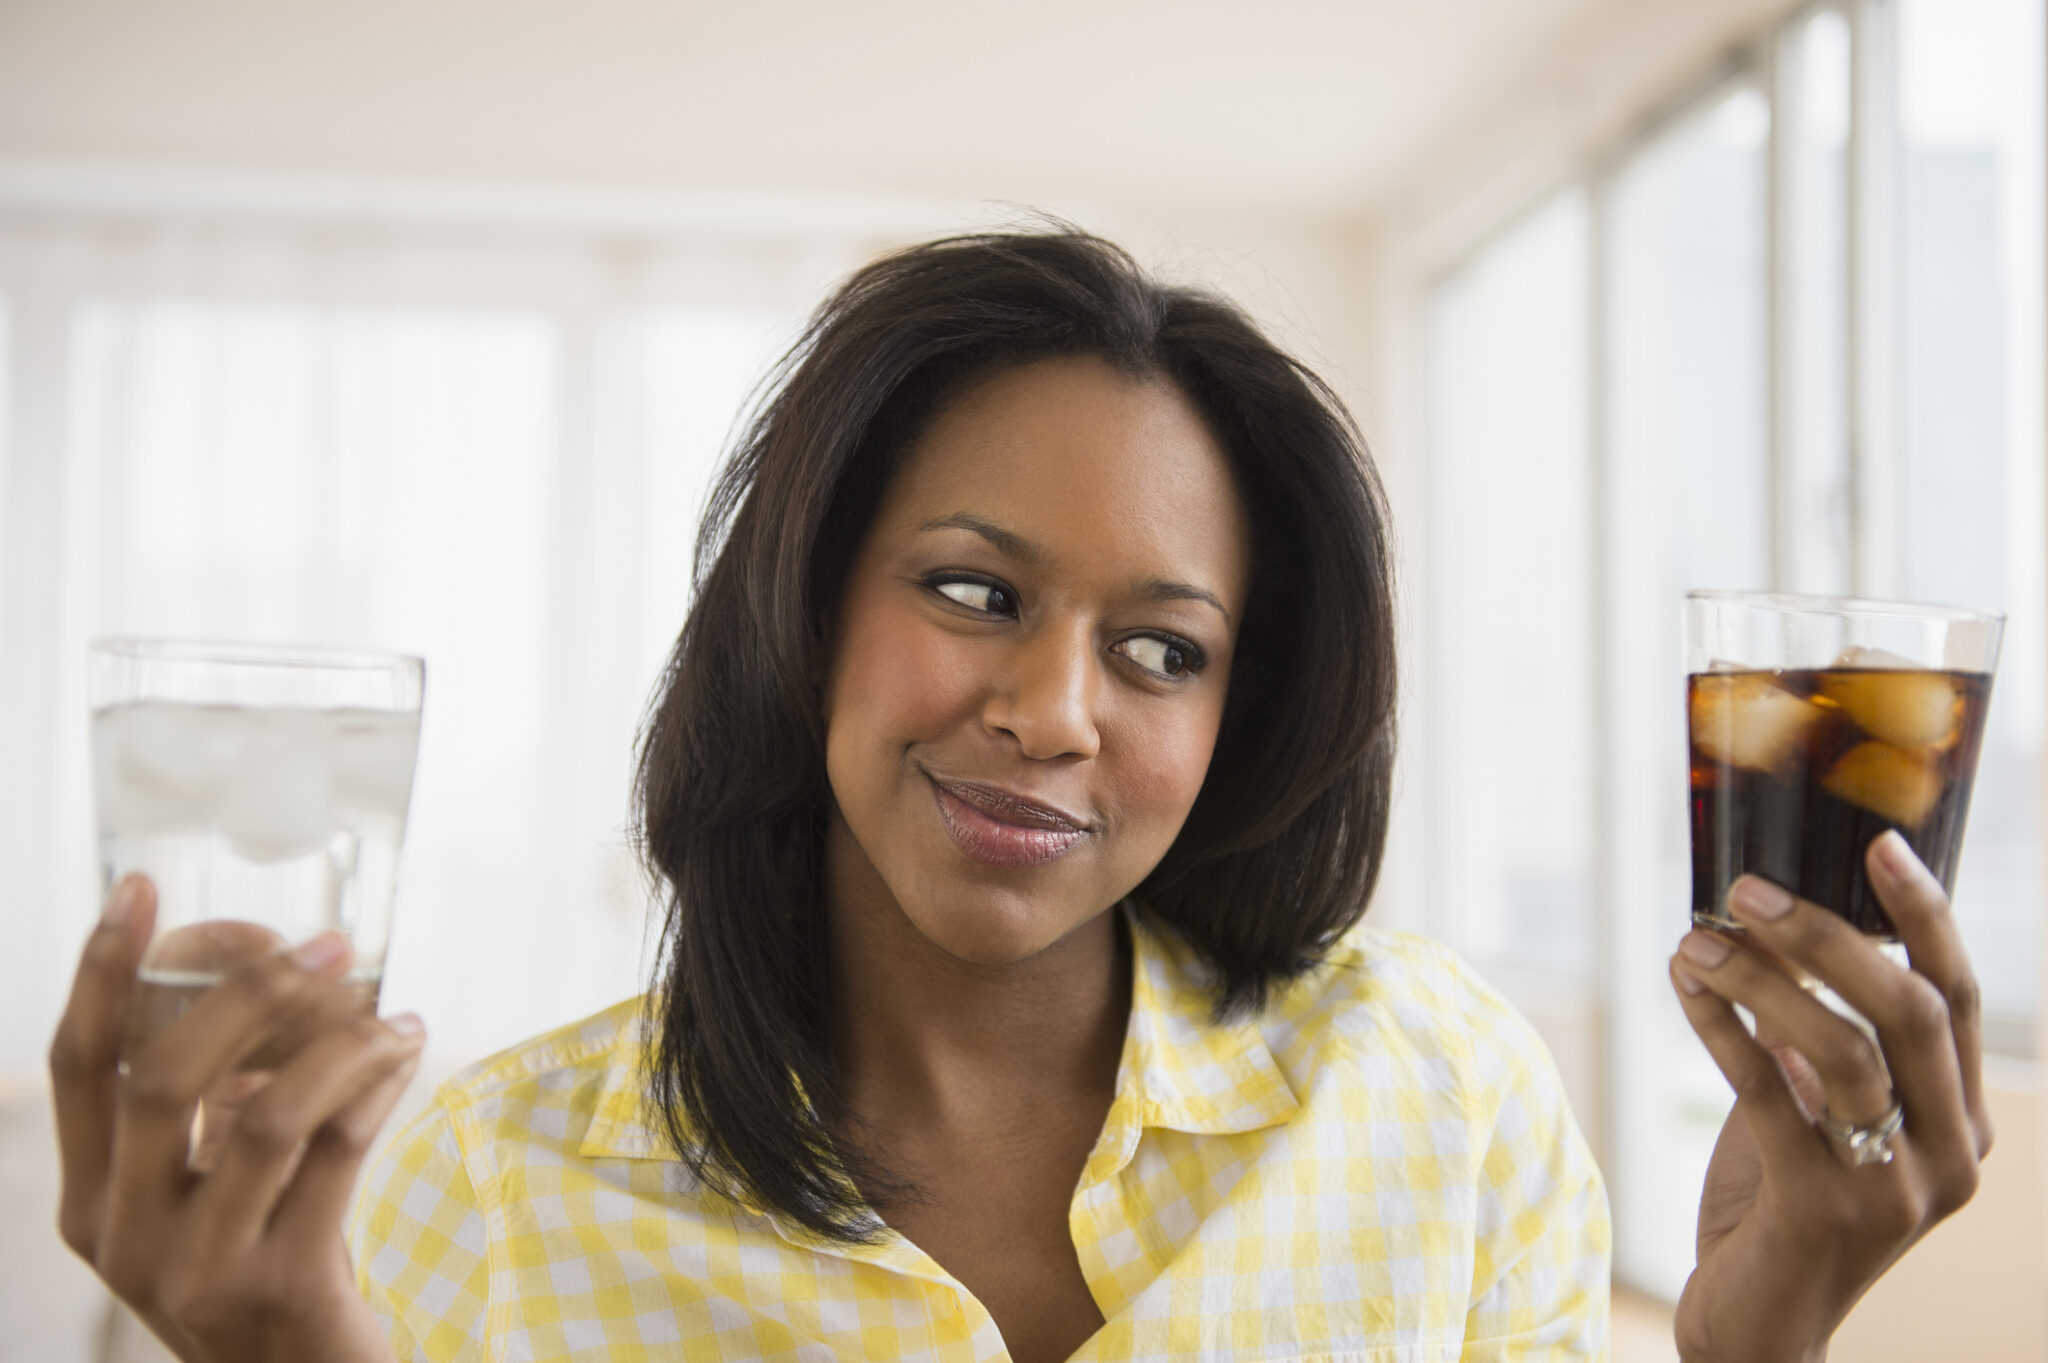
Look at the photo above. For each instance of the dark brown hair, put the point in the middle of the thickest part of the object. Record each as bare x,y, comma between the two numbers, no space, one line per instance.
1281,850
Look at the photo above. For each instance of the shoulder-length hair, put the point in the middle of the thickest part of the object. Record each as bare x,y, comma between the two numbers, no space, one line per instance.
1281,849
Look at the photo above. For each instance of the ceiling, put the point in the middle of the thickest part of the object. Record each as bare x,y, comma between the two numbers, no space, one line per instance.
1286,107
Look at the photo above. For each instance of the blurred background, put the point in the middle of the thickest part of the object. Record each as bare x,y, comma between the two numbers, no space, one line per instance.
422,326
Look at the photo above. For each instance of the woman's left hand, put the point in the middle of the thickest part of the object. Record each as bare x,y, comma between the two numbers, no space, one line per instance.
1791,1231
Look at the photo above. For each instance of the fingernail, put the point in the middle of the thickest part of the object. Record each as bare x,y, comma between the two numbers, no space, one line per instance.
121,904
1755,897
1896,855
319,952
1704,949
1688,981
407,1025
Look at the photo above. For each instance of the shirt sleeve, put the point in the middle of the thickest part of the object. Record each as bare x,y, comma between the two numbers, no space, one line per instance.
1543,1241
419,1234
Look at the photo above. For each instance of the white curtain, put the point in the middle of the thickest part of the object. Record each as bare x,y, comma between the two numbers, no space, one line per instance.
489,449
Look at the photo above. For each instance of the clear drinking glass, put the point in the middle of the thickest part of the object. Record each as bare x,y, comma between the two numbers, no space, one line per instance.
1817,724
264,790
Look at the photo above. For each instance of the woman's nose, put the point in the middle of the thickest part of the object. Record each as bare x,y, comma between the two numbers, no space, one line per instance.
1046,697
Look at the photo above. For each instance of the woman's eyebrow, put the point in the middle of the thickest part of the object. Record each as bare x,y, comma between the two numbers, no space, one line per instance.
1011,543
1160,590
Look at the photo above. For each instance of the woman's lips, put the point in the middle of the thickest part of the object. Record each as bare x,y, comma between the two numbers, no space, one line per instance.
998,829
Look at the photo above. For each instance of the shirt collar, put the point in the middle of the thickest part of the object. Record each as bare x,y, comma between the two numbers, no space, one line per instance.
1180,1070
621,1125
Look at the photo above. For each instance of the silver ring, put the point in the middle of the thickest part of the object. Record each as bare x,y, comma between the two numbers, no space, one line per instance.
1860,1143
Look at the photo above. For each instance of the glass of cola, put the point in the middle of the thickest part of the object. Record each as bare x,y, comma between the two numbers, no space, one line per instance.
1817,724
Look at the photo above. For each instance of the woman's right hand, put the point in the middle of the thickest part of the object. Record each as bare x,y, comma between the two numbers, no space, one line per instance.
247,1260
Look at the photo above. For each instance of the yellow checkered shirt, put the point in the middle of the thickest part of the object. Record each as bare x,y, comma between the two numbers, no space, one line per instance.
1379,1168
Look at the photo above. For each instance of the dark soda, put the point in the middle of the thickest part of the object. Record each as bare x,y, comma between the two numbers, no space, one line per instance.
1795,772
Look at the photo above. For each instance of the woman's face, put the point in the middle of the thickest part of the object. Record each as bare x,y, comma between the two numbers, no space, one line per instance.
1029,661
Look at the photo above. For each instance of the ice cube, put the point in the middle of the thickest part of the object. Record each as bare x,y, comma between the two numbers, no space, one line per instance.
1908,709
373,758
1742,719
281,803
1890,782
1878,659
161,766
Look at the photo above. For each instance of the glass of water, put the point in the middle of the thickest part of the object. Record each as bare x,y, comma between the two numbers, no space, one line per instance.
263,789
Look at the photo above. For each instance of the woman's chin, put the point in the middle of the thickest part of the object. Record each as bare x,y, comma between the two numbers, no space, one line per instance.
991,934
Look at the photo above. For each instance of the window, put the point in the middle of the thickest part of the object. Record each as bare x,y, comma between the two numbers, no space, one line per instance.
511,490
1811,183
1511,710
1970,143
1804,312
1686,472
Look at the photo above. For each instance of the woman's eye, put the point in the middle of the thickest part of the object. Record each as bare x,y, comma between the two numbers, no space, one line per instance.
981,596
1163,656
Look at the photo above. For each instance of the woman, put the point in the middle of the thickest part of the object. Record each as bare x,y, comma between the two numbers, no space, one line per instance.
1015,787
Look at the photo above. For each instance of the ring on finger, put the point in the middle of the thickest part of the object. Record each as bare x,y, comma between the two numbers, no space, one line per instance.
1859,1143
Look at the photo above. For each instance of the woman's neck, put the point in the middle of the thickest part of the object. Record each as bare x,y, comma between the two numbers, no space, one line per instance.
924,1040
